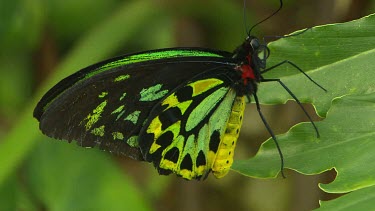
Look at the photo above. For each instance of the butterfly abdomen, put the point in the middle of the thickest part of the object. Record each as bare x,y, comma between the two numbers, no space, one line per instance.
224,157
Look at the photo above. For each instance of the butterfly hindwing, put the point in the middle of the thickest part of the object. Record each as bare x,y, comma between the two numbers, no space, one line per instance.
109,103
186,129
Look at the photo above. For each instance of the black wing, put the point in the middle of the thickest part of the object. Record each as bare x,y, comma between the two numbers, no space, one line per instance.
108,108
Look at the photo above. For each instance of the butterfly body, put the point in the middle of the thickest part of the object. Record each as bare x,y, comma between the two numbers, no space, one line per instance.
179,108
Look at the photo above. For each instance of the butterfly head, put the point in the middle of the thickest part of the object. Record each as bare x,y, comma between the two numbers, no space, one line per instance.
251,62
258,51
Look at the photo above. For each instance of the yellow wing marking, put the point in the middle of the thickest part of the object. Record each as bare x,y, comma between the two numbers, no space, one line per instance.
203,85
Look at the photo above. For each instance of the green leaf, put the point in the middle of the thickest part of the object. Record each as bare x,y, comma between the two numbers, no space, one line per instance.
358,200
341,58
346,144
337,56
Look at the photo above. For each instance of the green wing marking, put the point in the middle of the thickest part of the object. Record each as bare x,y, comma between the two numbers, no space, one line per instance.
93,117
99,131
121,78
151,56
153,93
165,54
133,117
118,136
204,108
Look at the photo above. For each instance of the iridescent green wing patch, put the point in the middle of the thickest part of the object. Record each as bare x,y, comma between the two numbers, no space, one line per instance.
186,129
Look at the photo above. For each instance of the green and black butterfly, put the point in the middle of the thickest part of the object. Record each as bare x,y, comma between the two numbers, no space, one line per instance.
179,108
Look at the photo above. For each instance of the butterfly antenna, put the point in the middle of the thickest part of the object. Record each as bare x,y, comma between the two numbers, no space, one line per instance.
274,13
245,18
284,36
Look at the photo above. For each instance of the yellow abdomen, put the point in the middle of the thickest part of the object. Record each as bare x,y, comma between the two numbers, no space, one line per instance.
224,156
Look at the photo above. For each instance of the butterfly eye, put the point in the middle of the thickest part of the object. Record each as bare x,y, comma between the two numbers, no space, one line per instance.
255,44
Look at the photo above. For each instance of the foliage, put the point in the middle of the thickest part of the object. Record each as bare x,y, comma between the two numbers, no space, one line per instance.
345,53
37,173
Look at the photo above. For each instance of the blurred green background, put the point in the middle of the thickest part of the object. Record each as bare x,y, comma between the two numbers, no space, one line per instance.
45,40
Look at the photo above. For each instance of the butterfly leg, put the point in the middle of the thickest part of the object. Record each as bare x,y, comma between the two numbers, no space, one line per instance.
295,66
271,133
296,99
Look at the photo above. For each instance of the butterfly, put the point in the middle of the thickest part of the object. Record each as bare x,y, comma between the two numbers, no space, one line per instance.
179,108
